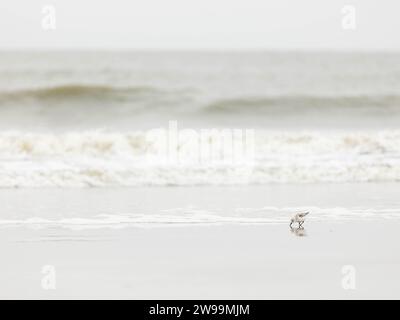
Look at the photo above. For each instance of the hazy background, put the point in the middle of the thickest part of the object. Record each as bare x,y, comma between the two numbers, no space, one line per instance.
206,24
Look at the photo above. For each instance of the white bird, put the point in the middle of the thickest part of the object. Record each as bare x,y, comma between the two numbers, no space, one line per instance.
299,218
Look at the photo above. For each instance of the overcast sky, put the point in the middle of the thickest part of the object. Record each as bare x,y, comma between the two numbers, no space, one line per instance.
201,24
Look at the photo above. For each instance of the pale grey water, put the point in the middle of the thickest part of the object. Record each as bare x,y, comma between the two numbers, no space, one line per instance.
134,90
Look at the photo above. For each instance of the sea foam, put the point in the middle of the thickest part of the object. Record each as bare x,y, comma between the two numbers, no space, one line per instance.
96,159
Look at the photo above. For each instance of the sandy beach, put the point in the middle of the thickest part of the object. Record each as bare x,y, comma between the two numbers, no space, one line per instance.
196,251
218,262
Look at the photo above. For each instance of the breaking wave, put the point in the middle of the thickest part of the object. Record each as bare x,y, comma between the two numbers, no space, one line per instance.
99,159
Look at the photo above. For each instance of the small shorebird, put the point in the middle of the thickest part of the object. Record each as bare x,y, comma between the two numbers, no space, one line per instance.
299,218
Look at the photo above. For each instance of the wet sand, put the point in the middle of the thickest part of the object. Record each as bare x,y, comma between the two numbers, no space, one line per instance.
204,262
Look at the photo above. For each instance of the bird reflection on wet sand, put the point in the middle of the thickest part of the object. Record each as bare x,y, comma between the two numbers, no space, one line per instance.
299,232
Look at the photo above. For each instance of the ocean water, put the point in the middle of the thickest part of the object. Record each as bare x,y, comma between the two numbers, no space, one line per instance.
81,119
131,91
